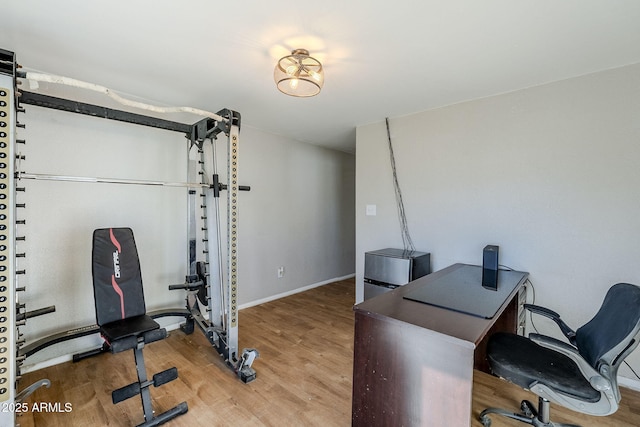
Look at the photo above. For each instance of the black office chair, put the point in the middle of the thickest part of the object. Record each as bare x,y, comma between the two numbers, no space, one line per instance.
582,375
121,315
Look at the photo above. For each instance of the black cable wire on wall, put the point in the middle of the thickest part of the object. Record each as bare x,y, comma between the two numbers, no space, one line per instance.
404,228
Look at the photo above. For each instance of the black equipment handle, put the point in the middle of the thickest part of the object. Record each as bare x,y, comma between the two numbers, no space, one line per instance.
35,313
188,286
218,186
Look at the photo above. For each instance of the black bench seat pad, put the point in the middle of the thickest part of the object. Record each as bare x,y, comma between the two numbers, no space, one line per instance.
133,326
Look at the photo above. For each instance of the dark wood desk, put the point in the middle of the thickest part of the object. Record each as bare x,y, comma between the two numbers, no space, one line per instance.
413,362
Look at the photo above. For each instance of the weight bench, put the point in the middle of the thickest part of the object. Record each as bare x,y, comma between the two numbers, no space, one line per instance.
121,315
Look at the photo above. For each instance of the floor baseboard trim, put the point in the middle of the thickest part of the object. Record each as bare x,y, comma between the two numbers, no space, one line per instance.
294,291
630,383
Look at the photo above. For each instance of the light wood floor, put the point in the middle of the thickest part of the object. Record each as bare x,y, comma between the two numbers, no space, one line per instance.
304,376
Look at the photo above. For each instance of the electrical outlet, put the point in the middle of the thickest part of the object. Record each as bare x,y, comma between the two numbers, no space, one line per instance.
280,272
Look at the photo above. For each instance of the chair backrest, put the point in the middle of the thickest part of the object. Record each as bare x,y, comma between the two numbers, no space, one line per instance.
117,280
613,332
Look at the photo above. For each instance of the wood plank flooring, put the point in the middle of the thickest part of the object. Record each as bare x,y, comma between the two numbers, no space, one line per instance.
304,376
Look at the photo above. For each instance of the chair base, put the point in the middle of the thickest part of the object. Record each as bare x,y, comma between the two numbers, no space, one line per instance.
529,415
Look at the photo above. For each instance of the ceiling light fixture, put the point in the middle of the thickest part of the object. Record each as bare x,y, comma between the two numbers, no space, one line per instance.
299,74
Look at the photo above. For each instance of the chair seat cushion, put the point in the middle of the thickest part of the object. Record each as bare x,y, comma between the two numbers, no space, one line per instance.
523,362
132,326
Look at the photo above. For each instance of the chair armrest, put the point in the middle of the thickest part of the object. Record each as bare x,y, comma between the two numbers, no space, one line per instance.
594,377
543,311
555,344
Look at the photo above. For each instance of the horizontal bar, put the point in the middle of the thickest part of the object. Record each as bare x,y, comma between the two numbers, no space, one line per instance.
49,78
103,112
45,177
35,313
45,342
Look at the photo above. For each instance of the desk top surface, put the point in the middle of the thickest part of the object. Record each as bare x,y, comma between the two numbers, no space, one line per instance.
450,322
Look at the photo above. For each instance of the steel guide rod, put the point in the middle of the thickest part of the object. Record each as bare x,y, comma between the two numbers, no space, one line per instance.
48,177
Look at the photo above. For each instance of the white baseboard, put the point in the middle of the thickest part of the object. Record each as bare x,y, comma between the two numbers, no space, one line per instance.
294,291
631,383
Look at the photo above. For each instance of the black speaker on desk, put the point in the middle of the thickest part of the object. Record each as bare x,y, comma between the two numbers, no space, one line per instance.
490,267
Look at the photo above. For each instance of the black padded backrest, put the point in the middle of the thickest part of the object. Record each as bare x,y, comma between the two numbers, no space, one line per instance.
616,321
117,280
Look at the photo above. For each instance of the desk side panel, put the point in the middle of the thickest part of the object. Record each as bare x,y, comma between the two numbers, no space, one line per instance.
404,375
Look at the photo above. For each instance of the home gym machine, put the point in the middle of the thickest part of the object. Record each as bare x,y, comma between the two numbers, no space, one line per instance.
211,283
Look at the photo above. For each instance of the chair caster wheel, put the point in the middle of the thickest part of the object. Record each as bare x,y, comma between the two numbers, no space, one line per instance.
528,409
486,421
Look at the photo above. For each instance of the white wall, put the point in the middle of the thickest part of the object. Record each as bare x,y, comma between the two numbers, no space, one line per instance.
298,214
550,174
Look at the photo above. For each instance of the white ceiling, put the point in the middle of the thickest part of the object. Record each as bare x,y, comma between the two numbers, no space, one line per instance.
382,59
